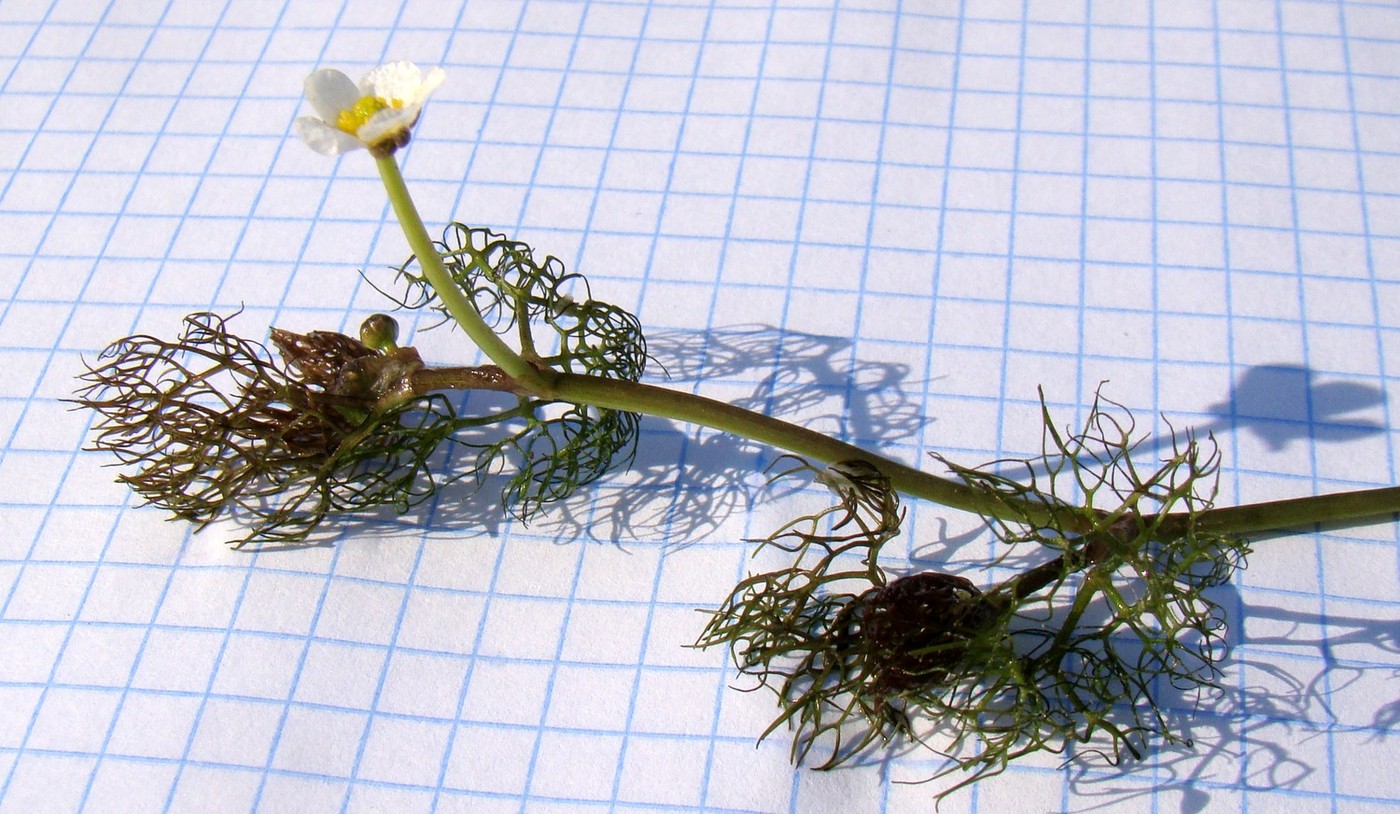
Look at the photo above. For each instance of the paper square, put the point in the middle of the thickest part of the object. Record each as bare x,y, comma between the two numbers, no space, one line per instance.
153,725
236,732
423,685
318,741
339,675
404,752
258,666
73,720
505,691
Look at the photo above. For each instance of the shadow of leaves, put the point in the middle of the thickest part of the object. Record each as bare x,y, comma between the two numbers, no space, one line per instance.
1294,691
684,482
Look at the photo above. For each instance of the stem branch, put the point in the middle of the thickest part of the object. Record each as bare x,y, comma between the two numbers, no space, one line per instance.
617,394
458,306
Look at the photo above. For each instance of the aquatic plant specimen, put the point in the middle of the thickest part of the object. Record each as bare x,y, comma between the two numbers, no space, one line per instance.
1070,651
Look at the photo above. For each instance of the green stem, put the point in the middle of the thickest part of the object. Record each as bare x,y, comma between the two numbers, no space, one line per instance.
615,394
693,409
1276,515
458,306
690,408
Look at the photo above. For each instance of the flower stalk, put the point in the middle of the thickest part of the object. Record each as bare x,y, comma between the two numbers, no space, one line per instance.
380,112
619,393
525,374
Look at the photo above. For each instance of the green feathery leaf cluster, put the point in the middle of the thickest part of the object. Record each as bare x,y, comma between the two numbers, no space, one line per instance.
1074,652
210,424
557,447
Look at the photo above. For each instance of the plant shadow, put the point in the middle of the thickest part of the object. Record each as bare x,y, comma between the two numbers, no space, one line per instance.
1281,404
1291,691
1278,404
1285,404
683,483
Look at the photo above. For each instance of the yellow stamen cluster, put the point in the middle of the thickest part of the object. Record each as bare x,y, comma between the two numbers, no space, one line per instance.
354,117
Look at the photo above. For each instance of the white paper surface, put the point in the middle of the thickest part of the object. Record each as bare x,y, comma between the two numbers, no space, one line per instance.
914,212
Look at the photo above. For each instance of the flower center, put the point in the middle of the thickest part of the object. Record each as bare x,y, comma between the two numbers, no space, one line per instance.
354,117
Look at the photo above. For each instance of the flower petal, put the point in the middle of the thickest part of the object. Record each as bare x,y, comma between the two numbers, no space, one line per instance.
391,95
330,91
325,139
432,80
399,80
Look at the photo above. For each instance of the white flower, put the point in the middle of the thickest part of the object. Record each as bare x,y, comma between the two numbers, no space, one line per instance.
378,113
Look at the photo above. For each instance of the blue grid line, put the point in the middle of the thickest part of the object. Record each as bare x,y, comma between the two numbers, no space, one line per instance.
760,6
492,592
1081,323
393,646
139,655
1156,225
629,727
1376,728
875,50
1048,214
705,352
784,316
4,313
569,602
1309,406
853,358
861,279
950,300
940,252
1366,223
289,702
982,129
331,572
1262,269
1007,310
717,699
1236,608
268,766
496,568
1342,422
218,660
990,92
991,172
847,46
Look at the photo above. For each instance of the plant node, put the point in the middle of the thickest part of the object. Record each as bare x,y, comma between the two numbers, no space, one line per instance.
1073,651
212,424
916,629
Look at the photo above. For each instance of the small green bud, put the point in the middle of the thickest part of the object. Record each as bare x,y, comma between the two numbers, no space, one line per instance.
380,332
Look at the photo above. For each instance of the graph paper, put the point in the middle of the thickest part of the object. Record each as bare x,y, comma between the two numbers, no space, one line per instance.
891,221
